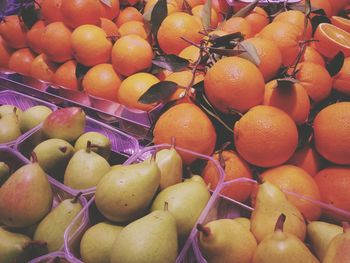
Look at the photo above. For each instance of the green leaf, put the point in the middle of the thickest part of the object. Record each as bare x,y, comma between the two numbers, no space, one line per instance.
219,41
226,51
171,62
29,15
206,15
286,83
316,20
159,13
335,65
107,2
80,71
305,132
158,92
247,9
251,54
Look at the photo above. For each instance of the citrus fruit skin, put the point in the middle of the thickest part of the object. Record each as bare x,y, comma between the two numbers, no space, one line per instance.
13,31
331,39
311,55
334,183
237,24
265,136
234,83
42,68
332,133
5,53
341,81
51,11
21,61
294,179
34,36
235,167
128,14
191,128
110,12
65,76
257,19
341,22
297,18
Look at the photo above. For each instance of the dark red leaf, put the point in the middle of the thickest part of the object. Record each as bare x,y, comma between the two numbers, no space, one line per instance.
158,92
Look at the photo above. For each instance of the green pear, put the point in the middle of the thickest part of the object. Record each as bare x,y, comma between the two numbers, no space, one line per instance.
97,241
85,169
283,247
186,202
321,234
126,192
4,172
26,197
33,116
99,143
170,166
338,250
15,247
152,238
9,128
9,109
53,156
270,203
66,124
196,178
52,227
243,221
225,240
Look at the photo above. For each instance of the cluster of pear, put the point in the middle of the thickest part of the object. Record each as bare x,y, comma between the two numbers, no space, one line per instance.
275,233
14,122
29,224
148,210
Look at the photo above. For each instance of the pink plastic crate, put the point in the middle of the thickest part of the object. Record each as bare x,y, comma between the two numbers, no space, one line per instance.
23,102
184,249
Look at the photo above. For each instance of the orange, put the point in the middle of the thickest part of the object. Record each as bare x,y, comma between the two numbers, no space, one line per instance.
321,4
57,42
34,36
296,180
21,61
338,5
234,83
292,100
269,54
341,22
129,14
297,18
110,12
102,81
286,36
80,12
197,12
42,68
5,53
315,79
311,55
135,28
265,136
183,79
175,27
65,76
235,167
334,185
237,24
109,27
308,159
90,45
13,31
171,5
192,3
133,87
341,81
191,128
257,19
131,54
51,11
331,39
331,133
191,53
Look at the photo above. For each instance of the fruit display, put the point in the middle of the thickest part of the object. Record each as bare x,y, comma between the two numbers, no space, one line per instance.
241,111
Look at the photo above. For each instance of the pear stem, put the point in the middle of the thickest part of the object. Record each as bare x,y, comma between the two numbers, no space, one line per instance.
33,157
153,156
203,229
166,206
346,226
63,149
173,142
75,199
88,146
280,222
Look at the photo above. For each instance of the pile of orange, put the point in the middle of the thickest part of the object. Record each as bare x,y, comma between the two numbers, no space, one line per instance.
117,44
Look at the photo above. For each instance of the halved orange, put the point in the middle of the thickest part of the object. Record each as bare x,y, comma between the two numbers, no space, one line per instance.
341,22
331,39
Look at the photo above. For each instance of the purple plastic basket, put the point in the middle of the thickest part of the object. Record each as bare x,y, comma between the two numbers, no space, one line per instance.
224,207
55,257
73,256
23,102
123,145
